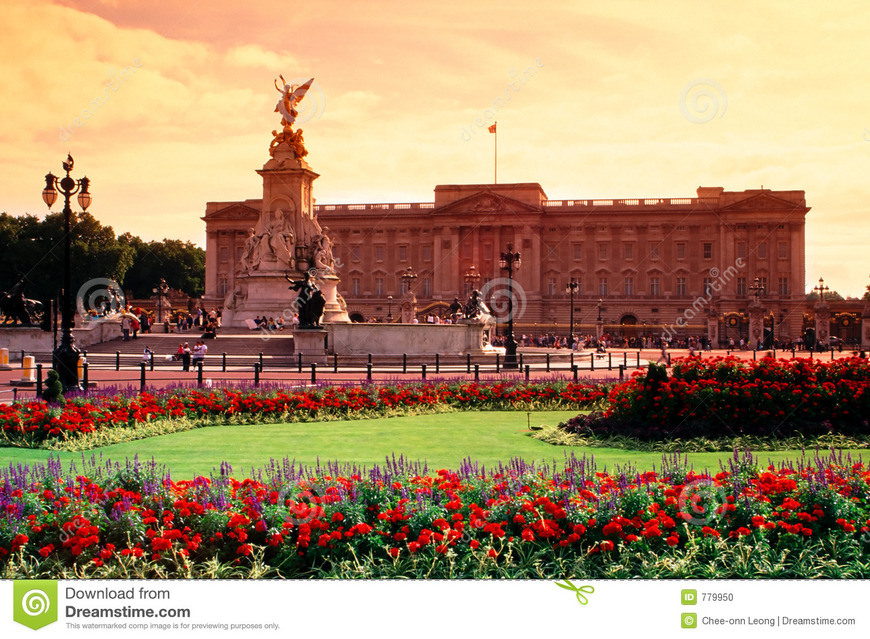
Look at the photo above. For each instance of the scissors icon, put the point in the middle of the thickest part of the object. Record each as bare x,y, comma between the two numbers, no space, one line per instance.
578,591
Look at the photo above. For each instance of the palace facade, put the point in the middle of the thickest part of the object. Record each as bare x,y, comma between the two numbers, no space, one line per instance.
655,266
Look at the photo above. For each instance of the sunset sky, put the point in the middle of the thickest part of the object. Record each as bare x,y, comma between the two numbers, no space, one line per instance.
166,106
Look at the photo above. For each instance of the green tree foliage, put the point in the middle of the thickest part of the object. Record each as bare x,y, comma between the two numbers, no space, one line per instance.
33,249
182,264
832,296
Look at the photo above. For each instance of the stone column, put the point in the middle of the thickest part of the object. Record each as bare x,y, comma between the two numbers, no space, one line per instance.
822,323
756,323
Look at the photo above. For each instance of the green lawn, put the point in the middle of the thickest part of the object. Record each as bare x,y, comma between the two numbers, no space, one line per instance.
442,440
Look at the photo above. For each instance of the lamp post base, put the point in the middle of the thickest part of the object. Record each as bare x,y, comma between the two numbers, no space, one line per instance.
510,354
65,360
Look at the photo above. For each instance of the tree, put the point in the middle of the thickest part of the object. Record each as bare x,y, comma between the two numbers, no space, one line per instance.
33,251
831,296
182,264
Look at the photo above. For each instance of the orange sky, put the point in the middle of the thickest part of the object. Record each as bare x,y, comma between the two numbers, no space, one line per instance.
609,111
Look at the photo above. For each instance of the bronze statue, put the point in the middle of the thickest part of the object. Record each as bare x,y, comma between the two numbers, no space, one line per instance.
309,300
18,309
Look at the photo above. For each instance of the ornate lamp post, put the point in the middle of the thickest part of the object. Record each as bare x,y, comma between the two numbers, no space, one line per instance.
472,277
821,289
510,262
571,288
65,359
756,290
408,278
161,290
389,307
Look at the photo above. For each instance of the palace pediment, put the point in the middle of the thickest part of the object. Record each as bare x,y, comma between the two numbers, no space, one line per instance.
486,202
762,202
234,211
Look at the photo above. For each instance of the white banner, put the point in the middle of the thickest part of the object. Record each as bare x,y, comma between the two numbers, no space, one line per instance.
434,608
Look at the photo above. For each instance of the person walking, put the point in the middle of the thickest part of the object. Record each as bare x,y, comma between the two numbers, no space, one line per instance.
185,357
199,351
664,355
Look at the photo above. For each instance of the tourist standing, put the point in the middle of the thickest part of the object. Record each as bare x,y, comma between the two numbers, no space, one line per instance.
185,357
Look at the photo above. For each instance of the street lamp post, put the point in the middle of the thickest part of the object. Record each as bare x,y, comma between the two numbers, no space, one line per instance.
408,278
821,289
161,290
65,359
472,277
571,288
510,262
757,290
389,307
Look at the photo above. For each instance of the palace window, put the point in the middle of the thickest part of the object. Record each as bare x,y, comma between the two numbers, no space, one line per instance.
741,286
681,286
741,249
602,252
551,286
681,250
379,286
427,252
222,286
655,287
762,250
629,286
225,254
355,286
578,252
355,252
708,250
653,251
628,252
602,287
426,287
403,253
708,285
783,287
552,253
487,250
379,253
782,248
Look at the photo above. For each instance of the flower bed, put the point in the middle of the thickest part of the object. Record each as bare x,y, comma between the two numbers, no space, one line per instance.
727,397
37,423
401,520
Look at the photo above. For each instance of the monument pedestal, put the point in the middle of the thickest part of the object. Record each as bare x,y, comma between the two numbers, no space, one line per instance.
312,344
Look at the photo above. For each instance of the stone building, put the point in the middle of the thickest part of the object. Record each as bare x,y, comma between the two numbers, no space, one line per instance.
671,267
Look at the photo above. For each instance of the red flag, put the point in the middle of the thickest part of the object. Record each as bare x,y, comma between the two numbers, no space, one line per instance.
492,128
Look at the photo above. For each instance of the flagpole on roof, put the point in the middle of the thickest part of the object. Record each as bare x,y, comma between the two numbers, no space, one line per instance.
494,129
